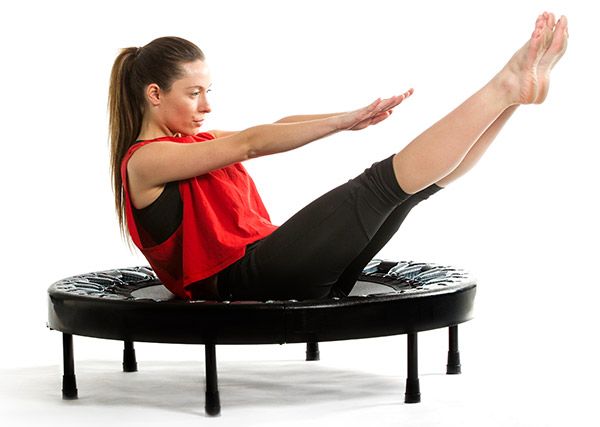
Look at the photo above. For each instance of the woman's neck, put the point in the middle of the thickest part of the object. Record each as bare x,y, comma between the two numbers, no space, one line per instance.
152,130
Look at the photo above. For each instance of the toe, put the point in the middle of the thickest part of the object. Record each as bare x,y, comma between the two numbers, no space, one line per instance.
548,29
561,28
539,22
551,21
540,25
559,39
563,22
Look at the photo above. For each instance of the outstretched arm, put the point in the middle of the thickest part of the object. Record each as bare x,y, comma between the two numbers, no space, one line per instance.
163,161
289,119
280,137
382,115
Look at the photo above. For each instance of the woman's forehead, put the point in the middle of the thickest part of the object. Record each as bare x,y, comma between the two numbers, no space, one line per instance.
196,74
198,69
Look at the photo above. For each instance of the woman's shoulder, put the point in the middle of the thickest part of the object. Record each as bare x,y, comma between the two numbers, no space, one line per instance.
202,136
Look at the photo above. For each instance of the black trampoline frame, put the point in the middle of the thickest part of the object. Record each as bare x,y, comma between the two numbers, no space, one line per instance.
101,305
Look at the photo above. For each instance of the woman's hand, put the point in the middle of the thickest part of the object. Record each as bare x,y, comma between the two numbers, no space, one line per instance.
372,114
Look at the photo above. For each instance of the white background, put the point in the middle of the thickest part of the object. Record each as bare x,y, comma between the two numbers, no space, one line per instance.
524,221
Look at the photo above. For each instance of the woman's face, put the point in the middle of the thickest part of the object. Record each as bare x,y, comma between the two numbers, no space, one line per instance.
182,108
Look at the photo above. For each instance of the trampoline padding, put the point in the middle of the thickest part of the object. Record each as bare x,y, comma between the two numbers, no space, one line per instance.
390,298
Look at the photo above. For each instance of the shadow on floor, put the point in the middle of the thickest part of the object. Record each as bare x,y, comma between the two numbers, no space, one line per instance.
179,386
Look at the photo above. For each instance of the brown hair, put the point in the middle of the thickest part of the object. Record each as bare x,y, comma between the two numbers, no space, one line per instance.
134,69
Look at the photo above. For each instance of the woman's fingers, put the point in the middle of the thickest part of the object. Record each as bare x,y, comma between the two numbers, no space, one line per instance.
380,117
396,100
377,111
370,110
380,105
388,104
375,105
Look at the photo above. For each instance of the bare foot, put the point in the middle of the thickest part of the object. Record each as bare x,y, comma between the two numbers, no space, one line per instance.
554,52
520,76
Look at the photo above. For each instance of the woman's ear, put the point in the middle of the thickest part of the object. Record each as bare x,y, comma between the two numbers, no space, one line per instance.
153,94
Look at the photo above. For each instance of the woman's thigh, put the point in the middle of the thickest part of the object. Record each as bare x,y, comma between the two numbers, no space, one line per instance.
306,255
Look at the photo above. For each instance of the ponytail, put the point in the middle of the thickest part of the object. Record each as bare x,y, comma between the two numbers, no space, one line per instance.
124,122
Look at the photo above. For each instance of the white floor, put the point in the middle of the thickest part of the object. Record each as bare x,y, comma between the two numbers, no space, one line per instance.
355,383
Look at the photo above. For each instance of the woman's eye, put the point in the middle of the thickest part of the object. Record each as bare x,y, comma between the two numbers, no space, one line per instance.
198,92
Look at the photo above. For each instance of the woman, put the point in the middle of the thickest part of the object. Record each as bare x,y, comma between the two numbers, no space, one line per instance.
194,212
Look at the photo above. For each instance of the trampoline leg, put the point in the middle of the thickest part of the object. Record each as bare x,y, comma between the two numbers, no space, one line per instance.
69,385
312,351
212,405
453,366
129,362
413,393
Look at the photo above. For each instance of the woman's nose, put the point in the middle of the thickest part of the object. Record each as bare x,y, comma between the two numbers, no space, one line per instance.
204,106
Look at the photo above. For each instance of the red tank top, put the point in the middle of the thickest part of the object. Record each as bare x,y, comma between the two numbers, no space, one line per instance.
222,213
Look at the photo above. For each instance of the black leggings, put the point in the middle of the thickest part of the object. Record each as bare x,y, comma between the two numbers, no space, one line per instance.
321,250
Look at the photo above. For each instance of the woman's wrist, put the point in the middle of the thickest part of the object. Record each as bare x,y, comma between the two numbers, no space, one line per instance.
343,121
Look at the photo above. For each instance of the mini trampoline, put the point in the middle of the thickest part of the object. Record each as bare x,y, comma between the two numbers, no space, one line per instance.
390,298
